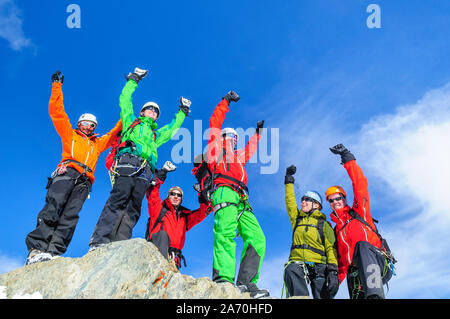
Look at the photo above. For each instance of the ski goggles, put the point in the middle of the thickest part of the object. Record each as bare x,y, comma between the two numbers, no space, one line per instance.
332,200
176,194
231,135
87,123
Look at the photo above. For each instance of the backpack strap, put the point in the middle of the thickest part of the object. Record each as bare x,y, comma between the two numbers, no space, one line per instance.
161,215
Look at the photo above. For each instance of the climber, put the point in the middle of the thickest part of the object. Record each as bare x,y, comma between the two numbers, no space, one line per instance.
313,257
168,220
134,163
231,206
71,182
363,255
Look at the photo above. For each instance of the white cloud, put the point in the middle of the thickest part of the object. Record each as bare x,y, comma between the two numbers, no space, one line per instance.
405,157
11,25
409,152
8,263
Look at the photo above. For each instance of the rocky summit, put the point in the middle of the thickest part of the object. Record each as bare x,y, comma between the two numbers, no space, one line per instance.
129,269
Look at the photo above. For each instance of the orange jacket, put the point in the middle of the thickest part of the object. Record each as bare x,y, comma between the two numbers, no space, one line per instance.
76,145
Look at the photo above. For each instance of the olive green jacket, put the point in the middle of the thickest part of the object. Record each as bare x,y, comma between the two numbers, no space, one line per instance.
311,242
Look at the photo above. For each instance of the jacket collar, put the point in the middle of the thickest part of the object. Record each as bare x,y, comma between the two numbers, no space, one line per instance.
315,214
92,136
148,121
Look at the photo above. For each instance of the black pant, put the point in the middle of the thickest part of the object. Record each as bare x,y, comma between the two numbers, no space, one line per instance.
294,278
123,207
364,279
56,222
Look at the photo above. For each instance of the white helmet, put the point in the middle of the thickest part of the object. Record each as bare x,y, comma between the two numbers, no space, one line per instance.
151,104
228,130
88,117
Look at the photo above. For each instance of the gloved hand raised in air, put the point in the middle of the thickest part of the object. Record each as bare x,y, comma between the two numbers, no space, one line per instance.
185,105
290,171
161,174
58,77
137,75
231,97
259,126
345,154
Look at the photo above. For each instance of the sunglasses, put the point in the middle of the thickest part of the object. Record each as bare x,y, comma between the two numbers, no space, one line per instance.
176,194
331,200
307,199
151,108
86,123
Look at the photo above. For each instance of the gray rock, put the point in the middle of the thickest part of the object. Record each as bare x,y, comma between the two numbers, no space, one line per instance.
129,269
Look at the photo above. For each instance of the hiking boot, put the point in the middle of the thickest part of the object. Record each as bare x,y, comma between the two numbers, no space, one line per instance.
36,255
94,247
254,291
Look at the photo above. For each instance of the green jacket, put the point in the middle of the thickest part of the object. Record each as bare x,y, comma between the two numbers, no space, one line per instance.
310,242
146,135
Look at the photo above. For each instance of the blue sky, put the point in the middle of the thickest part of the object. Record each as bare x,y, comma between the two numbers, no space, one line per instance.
311,69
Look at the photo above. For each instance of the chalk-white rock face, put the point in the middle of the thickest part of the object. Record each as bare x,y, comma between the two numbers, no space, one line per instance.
129,269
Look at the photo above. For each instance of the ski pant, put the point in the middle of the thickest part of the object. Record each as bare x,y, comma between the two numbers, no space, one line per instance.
123,207
57,221
364,279
161,240
297,275
225,225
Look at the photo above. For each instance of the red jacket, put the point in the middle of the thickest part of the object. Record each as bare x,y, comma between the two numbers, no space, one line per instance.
354,230
175,225
222,158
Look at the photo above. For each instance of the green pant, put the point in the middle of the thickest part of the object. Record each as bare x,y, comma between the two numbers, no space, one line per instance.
225,225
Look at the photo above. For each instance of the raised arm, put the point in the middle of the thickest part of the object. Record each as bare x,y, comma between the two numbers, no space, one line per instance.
361,203
252,145
56,109
291,203
106,140
215,124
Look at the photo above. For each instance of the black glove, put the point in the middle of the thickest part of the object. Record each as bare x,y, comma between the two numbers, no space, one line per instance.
291,170
259,126
231,97
58,77
185,105
332,282
340,149
137,75
162,173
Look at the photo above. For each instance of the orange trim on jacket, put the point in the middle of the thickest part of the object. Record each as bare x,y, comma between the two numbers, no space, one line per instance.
354,230
76,145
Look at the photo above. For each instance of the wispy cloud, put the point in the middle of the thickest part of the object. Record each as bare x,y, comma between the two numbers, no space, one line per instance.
8,263
11,25
408,151
404,155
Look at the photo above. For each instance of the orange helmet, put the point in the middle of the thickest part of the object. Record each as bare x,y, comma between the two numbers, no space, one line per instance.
335,189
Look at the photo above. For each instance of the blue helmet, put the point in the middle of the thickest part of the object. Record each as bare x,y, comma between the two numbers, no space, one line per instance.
314,195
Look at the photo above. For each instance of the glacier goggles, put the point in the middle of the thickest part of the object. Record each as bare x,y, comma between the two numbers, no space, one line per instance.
87,123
